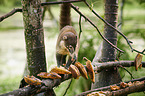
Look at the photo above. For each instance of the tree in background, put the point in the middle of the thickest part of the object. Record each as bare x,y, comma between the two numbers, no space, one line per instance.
109,76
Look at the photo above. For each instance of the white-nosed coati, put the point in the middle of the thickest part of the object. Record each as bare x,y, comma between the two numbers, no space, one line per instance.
68,40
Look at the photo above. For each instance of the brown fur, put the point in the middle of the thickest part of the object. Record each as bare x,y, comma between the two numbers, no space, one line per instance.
65,16
68,40
64,31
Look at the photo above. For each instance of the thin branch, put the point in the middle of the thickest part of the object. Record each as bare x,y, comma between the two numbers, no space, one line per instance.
72,1
93,90
119,25
127,71
95,27
80,26
142,52
53,83
118,56
68,87
60,2
121,15
101,66
128,90
108,87
128,41
15,10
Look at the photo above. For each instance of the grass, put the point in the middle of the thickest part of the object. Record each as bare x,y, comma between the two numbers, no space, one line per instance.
133,22
9,84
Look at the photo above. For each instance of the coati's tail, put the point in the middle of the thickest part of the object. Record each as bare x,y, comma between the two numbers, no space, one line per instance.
65,16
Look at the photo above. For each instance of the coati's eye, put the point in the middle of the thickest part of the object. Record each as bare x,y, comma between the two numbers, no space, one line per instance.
70,46
64,37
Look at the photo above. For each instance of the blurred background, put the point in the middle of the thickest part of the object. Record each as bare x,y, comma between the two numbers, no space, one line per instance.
12,41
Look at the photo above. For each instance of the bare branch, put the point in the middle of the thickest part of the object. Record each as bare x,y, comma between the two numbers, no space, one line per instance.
53,83
128,41
80,19
18,92
68,87
95,27
121,14
130,89
72,1
127,71
101,66
15,10
60,2
93,90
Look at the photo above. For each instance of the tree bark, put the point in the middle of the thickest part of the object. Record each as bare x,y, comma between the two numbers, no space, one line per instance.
48,89
98,67
34,36
108,53
139,86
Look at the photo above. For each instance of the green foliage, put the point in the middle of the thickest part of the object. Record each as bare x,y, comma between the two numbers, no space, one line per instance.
80,84
133,22
9,84
10,3
133,28
87,48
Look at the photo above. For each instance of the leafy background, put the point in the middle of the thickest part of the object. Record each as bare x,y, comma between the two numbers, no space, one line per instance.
12,43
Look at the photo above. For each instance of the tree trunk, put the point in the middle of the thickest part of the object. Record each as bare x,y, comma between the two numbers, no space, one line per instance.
34,36
108,53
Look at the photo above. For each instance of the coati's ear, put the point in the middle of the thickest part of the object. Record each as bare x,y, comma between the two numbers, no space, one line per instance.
64,37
